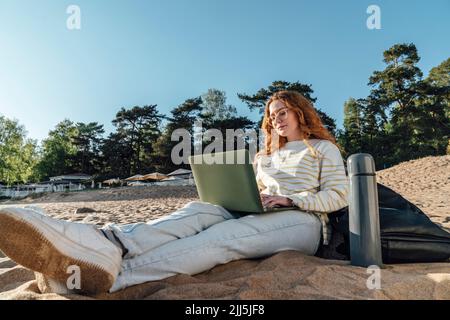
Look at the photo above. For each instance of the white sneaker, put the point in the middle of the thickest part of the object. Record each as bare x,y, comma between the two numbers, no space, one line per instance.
56,248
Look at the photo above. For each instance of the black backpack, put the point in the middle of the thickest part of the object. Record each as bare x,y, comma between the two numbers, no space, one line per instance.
407,234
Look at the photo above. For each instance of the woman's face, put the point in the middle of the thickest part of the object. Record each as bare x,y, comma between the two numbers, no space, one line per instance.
284,120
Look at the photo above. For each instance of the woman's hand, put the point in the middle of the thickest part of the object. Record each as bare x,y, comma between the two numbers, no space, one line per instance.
272,201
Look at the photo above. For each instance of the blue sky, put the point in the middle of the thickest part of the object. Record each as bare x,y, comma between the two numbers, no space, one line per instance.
134,52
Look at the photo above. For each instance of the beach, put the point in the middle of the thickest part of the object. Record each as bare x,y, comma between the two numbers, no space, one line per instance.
286,275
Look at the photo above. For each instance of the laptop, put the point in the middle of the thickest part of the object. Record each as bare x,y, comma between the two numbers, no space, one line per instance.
228,179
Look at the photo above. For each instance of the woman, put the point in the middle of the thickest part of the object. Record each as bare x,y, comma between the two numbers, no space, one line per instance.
300,166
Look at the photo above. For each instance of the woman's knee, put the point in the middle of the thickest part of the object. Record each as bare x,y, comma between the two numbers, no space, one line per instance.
197,215
198,207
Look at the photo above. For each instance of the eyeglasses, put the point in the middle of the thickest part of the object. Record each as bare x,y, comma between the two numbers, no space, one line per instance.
281,114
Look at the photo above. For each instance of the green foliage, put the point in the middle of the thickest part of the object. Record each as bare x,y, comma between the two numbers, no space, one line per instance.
350,139
236,127
258,100
137,131
405,116
214,105
87,142
216,114
18,155
182,117
116,154
58,151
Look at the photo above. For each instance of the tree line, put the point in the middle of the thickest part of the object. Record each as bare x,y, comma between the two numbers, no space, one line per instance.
405,116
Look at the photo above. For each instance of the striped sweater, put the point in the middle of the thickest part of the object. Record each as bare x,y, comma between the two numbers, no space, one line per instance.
314,184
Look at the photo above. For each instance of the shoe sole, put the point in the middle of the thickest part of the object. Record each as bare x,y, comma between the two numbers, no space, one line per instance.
27,246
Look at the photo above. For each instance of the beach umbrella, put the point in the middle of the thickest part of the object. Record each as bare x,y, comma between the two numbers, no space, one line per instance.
154,176
136,177
179,172
172,179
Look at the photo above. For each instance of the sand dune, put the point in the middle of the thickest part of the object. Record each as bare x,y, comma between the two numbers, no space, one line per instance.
286,275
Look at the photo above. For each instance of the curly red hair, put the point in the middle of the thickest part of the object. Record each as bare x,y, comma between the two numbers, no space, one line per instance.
310,123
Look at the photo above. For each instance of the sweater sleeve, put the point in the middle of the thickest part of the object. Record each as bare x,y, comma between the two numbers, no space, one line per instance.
334,184
257,170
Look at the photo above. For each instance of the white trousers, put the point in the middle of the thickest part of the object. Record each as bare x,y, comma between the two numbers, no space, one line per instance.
201,235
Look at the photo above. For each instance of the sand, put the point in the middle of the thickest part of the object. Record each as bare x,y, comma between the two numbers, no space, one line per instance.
286,275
